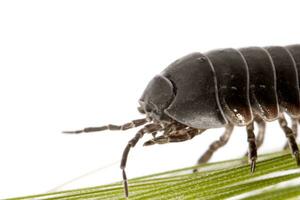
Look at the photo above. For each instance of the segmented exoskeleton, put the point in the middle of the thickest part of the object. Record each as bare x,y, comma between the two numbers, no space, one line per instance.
220,88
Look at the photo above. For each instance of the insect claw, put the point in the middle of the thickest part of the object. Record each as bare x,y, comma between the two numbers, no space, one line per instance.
253,166
297,157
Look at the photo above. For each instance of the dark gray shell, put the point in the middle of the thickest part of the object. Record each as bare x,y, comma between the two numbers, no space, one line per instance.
196,102
228,86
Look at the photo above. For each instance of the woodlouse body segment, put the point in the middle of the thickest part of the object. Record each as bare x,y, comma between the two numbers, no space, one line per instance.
262,83
193,107
233,82
295,52
287,80
219,88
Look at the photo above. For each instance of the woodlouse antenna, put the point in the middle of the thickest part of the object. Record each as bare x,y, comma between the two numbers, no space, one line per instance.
149,128
112,127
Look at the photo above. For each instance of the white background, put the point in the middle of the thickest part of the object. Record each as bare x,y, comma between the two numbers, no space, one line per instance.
70,64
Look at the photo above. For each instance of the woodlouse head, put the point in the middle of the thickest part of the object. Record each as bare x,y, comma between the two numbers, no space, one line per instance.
156,98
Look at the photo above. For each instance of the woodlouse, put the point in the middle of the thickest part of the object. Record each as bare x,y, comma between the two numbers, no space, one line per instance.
220,88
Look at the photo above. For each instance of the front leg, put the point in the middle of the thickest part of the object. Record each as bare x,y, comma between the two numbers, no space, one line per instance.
177,136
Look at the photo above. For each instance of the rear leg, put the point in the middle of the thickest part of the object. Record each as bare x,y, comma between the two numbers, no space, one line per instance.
294,129
290,137
112,127
216,145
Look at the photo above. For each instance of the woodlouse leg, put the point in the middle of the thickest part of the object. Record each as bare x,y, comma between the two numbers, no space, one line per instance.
252,150
216,145
132,124
294,129
173,129
290,137
150,128
179,136
261,133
